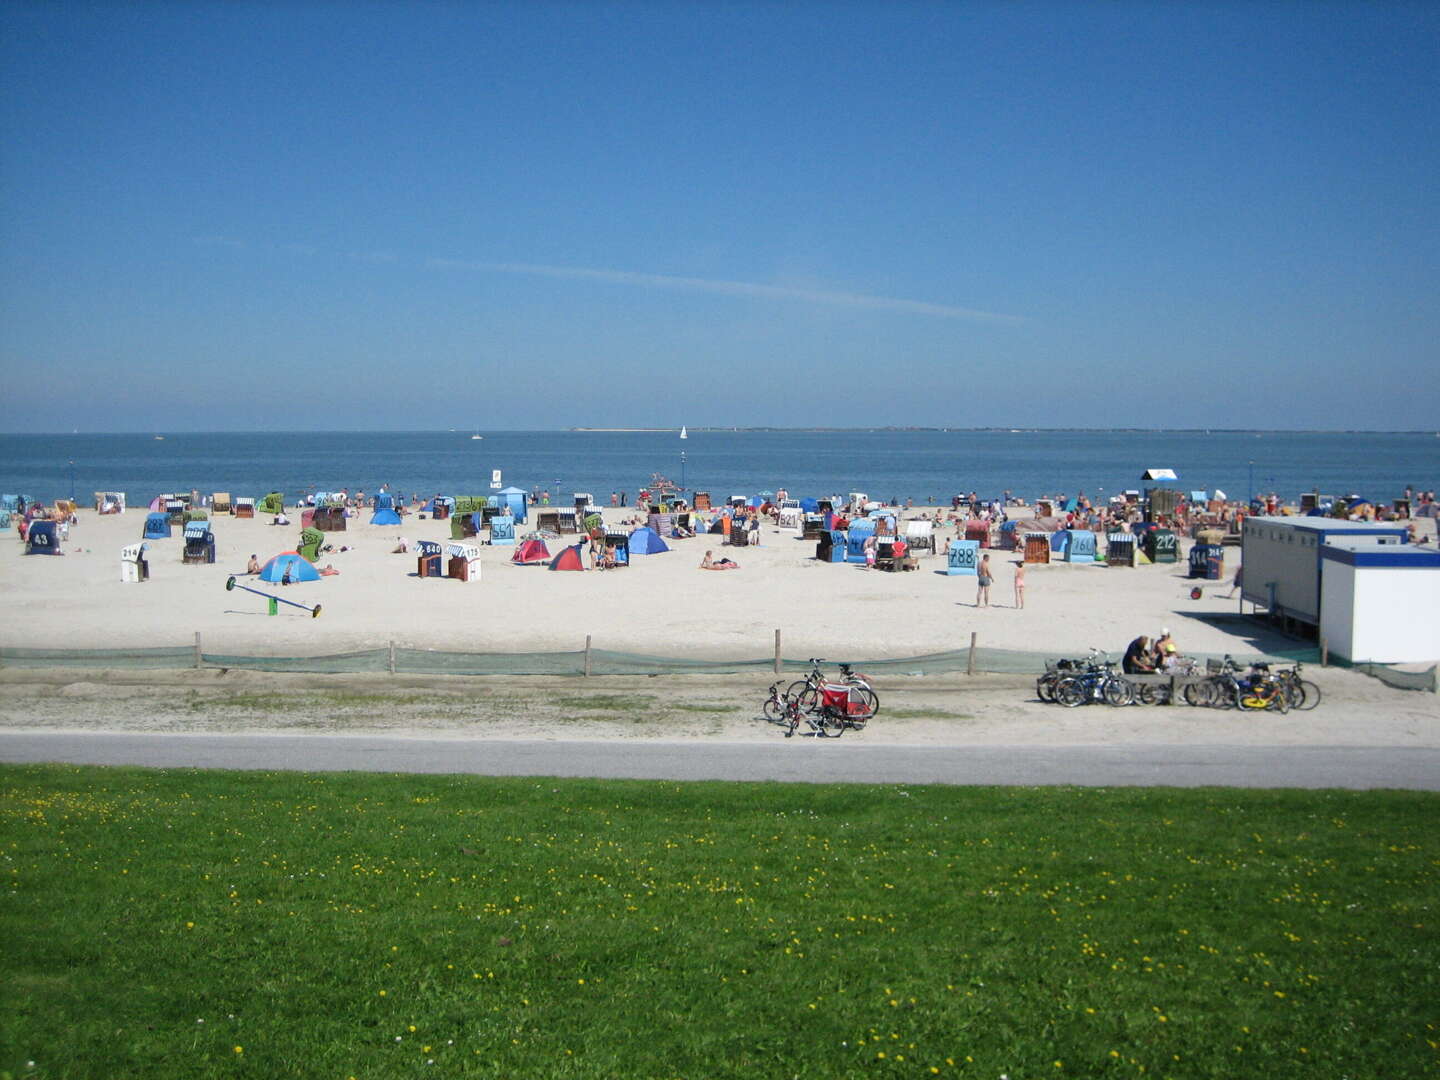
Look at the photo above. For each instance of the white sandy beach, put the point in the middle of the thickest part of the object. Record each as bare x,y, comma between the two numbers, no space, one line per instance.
661,605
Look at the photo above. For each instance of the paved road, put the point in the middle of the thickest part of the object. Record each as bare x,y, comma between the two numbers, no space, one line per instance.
806,760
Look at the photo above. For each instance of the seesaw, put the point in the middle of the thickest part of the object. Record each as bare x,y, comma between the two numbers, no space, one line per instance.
231,583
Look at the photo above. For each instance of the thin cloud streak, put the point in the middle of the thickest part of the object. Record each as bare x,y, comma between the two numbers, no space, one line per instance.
732,288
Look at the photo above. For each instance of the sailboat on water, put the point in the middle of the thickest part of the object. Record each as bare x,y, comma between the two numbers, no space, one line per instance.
682,432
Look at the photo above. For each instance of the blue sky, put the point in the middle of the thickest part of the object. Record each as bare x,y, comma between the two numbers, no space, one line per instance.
535,215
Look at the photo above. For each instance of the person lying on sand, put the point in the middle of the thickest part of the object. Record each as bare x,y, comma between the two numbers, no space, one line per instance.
709,563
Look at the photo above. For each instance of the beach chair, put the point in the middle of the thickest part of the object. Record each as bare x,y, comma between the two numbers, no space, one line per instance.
464,564
244,507
199,544
1037,547
133,564
310,541
920,535
220,502
329,518
273,503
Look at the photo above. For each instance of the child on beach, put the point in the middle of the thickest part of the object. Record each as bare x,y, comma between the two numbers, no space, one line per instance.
1020,583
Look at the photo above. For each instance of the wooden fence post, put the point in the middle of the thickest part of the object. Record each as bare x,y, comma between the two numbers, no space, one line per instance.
970,663
1324,651
587,656
391,663
777,651
197,650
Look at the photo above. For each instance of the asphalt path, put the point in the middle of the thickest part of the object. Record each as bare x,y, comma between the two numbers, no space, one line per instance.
797,760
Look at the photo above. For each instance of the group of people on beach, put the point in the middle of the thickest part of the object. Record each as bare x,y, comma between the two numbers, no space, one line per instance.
1144,657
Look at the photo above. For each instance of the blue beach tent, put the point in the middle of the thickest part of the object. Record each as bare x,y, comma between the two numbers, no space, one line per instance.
157,526
292,561
384,510
646,541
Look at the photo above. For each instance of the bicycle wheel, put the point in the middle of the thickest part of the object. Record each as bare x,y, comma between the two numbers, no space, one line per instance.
774,711
1045,687
1225,695
1197,693
805,695
872,706
1152,694
1118,691
1070,692
832,723
1309,695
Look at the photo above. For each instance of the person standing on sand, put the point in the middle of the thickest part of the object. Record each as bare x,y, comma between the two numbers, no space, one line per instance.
1020,584
984,581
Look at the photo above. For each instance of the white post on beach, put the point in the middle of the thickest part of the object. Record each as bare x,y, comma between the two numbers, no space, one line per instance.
197,650
587,656
777,651
970,663
391,664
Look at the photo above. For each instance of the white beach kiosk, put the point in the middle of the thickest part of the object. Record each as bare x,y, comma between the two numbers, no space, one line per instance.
1368,593
1378,602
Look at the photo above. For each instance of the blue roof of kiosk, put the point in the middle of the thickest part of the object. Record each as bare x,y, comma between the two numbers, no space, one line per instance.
513,491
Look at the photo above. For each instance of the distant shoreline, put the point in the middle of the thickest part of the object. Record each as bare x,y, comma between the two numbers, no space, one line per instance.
151,433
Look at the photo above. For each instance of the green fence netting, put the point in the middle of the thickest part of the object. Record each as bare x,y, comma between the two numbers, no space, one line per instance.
177,657
603,662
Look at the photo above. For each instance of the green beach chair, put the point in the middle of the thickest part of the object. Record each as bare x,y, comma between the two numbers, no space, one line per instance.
310,541
272,503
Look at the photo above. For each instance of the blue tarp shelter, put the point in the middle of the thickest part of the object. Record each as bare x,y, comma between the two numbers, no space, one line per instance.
157,526
810,506
384,510
293,562
516,499
646,541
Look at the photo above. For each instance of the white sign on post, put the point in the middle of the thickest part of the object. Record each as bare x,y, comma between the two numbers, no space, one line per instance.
494,479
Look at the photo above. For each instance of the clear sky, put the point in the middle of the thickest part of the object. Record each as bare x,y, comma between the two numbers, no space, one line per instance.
533,215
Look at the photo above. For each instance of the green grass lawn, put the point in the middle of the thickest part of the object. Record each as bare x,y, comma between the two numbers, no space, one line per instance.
196,924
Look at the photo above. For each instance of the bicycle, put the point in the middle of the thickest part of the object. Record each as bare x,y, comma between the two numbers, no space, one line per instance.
787,713
1226,688
1300,694
1265,691
1055,670
1098,683
810,693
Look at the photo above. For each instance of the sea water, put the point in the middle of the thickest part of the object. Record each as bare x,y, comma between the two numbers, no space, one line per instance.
885,464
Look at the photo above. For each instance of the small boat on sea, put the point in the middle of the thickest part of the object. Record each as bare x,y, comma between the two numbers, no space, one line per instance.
476,436
682,432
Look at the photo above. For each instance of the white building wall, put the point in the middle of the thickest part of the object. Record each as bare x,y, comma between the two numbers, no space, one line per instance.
1381,614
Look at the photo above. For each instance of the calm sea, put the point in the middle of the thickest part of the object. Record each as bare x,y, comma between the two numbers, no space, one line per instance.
918,465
